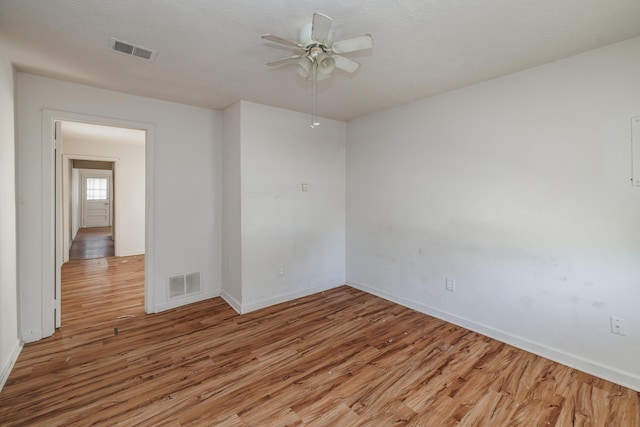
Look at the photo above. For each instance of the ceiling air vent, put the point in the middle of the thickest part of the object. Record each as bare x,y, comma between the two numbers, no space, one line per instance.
131,49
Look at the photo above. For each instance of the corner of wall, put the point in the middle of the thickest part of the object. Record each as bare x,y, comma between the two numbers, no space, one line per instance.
234,303
7,365
282,298
10,344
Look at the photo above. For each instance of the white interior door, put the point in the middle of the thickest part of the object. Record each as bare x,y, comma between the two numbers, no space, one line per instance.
96,199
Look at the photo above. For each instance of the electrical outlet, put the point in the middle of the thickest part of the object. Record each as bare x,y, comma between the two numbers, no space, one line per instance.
618,326
281,272
450,284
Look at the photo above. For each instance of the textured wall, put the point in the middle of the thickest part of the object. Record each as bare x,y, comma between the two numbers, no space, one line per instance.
292,240
519,189
9,344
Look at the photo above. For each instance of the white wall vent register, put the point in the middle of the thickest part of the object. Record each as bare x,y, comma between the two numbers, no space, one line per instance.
184,284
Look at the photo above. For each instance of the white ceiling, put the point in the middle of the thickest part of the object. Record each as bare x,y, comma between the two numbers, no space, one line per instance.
211,53
102,134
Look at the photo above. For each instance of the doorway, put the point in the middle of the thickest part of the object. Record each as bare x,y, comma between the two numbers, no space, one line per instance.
88,200
61,172
99,158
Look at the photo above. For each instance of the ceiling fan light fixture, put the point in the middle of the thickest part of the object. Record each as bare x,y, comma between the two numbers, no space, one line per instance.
304,67
326,64
320,55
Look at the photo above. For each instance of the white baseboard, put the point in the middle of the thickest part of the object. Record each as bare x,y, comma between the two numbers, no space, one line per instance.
31,335
131,253
178,302
277,299
234,303
605,372
7,365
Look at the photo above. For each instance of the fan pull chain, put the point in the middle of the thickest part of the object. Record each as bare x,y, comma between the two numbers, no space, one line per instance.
314,96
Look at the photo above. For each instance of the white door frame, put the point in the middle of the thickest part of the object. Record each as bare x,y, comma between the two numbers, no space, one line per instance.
66,216
52,215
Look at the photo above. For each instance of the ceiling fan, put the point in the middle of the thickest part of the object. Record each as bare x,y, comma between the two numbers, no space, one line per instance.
320,56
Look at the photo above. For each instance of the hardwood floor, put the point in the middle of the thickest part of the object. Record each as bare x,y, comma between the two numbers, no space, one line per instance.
93,242
340,357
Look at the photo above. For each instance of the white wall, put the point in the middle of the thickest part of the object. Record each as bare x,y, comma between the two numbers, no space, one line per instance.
292,242
186,179
519,189
128,179
9,343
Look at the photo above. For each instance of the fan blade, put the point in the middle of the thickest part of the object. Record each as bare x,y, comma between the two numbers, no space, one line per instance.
278,39
346,64
320,27
364,41
285,60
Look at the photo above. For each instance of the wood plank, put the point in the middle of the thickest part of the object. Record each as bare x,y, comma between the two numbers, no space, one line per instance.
92,242
340,357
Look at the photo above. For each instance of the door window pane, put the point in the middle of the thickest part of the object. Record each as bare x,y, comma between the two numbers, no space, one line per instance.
96,188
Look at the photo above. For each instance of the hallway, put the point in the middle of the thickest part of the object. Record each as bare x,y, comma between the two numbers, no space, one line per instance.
94,242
